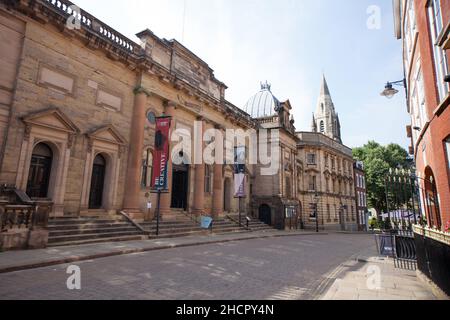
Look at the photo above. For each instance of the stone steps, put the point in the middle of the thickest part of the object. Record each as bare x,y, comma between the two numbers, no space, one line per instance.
85,230
74,231
174,229
254,225
99,240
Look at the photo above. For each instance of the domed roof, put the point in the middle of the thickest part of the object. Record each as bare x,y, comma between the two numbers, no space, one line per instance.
263,104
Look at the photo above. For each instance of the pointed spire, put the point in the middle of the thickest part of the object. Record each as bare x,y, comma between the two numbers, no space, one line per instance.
324,90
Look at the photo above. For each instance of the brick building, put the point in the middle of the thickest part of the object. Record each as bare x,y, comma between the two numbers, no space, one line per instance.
76,106
424,27
361,195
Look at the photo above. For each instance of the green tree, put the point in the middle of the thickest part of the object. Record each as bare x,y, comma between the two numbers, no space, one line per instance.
378,160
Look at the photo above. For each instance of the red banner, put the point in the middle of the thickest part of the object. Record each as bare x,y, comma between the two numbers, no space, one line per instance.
161,154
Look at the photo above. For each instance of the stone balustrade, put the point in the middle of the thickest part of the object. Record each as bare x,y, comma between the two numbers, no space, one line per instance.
88,21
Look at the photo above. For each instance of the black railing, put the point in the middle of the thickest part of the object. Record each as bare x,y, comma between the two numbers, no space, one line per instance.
433,257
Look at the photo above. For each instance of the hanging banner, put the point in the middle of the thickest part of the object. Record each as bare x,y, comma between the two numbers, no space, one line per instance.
239,172
161,156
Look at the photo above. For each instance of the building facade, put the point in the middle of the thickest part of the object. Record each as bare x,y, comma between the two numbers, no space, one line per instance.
361,196
327,178
424,27
77,109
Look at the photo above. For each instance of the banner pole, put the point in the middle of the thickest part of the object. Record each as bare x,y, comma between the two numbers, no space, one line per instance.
158,212
240,215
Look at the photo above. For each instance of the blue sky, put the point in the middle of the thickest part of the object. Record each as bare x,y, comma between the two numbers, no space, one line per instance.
289,43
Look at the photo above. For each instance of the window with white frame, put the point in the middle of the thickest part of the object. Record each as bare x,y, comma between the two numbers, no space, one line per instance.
440,58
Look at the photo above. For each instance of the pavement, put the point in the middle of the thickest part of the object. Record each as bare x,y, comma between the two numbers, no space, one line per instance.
11,261
295,267
377,278
272,265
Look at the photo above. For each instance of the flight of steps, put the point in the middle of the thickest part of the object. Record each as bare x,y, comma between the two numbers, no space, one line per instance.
184,226
77,231
254,224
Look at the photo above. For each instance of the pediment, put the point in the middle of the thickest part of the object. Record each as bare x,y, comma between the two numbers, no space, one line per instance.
53,119
108,134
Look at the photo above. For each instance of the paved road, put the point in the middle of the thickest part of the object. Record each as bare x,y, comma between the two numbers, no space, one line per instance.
276,268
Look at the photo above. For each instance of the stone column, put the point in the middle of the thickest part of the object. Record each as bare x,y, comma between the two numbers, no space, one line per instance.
218,175
199,178
166,198
133,178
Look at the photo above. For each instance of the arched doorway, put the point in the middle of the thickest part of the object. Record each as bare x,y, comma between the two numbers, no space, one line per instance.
40,171
265,214
97,182
180,187
227,195
432,199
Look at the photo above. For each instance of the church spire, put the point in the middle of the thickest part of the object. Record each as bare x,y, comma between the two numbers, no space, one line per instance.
326,120
324,90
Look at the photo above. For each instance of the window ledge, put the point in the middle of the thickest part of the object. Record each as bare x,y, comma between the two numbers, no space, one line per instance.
444,38
444,104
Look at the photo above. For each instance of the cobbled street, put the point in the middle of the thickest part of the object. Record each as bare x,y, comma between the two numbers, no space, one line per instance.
275,268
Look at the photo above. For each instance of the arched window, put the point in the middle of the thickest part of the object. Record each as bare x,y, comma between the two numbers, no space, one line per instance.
147,168
322,127
207,179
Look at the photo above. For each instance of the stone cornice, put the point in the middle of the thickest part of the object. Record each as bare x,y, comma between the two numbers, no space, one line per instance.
99,36
139,89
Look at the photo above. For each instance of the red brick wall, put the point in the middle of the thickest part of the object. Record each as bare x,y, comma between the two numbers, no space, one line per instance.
439,127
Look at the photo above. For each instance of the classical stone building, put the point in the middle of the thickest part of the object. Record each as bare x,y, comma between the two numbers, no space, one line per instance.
74,106
327,178
77,103
274,196
315,168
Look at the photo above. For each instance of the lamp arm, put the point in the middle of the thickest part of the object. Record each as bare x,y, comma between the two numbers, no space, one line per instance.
401,83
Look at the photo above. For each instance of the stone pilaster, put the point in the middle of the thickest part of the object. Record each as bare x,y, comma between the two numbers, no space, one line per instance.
133,178
199,178
218,176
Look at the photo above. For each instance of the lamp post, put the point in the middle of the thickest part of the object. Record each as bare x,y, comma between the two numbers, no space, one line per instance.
389,90
316,211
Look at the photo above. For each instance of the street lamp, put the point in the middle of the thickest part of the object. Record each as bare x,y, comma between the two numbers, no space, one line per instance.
316,211
389,90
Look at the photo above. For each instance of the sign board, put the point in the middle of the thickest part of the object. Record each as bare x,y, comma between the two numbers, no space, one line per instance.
206,222
239,185
385,244
239,172
161,156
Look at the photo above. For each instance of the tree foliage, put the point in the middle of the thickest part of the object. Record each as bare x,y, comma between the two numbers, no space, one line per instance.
378,160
